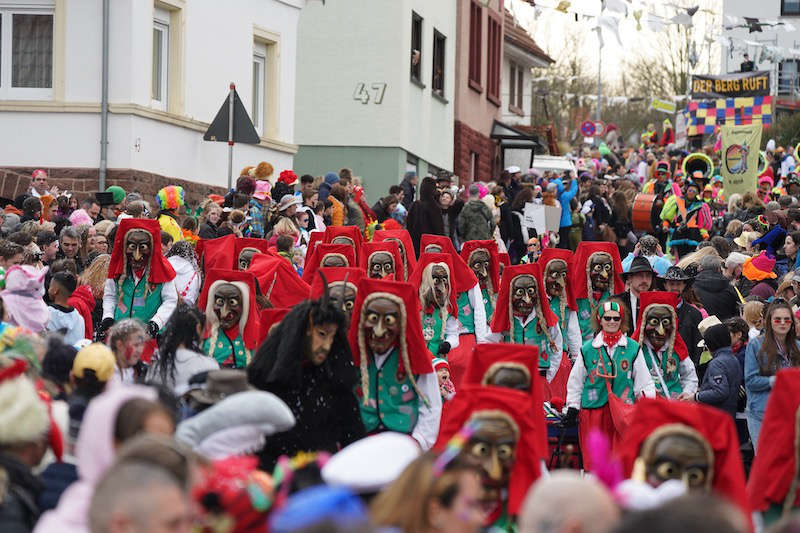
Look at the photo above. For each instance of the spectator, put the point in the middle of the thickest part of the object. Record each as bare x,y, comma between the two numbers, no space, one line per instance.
92,208
475,222
306,184
714,291
166,242
723,376
649,248
338,198
401,211
385,207
355,217
425,215
31,210
39,185
64,318
519,236
676,280
256,209
331,179
70,242
126,339
409,185
47,241
209,220
567,190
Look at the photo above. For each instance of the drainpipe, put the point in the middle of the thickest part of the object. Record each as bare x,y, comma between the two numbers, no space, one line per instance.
104,103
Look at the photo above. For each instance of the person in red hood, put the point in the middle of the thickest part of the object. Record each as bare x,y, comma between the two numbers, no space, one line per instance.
83,301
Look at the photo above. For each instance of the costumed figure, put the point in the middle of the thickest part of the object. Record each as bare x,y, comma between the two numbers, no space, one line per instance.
328,255
217,253
481,257
437,300
692,443
667,133
278,281
594,276
307,362
469,302
609,375
268,320
244,250
523,316
170,199
399,390
687,217
342,284
403,240
649,137
232,328
660,184
500,432
382,260
664,351
141,282
349,235
446,385
556,264
772,487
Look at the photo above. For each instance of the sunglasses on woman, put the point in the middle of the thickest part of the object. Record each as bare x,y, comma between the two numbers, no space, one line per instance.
612,318
782,320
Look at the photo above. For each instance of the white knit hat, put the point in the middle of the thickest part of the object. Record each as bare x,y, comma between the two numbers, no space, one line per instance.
23,415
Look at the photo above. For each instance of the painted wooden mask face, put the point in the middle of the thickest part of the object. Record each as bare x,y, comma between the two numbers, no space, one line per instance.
479,262
494,446
381,324
555,279
343,296
523,295
678,452
658,325
228,305
138,247
381,265
601,271
245,257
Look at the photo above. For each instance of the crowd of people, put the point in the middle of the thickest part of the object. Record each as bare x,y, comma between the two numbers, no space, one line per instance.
287,357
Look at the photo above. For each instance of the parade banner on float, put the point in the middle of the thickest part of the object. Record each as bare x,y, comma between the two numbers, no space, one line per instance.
730,85
703,116
665,106
739,161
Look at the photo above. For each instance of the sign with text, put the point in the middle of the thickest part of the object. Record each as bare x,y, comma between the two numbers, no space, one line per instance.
665,106
739,164
730,85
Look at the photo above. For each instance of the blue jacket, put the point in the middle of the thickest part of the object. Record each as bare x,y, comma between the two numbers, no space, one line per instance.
564,198
758,387
720,387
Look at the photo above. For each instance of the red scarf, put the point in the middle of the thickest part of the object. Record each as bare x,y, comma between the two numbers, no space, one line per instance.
611,339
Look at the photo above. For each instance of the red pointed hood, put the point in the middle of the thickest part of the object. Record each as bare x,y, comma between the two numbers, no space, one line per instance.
160,270
464,277
369,248
268,318
217,253
246,282
411,340
715,426
333,275
261,245
548,254
775,464
323,249
494,261
471,400
670,299
416,277
350,232
501,320
314,238
408,245
579,273
278,281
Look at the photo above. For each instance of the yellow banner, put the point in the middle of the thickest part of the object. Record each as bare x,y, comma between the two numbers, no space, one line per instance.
665,106
739,164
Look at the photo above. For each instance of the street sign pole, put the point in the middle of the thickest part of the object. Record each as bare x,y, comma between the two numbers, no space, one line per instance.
230,135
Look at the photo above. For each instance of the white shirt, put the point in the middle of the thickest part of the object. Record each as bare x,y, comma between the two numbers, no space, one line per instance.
169,300
427,427
478,314
554,355
642,382
574,338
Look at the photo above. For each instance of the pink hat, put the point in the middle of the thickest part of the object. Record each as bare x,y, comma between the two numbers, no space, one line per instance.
759,268
262,189
765,179
22,297
80,217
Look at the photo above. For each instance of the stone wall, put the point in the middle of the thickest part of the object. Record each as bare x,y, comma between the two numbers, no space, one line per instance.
468,140
83,182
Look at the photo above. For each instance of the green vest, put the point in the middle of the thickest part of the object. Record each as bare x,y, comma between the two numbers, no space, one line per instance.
488,305
528,335
133,303
563,321
432,325
585,316
393,403
669,371
595,393
223,349
466,316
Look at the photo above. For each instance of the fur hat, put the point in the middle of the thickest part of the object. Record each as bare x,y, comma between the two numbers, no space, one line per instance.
23,415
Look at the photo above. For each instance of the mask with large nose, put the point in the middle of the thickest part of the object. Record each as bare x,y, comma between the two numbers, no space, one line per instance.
381,265
479,263
343,296
381,323
523,295
601,271
678,452
245,257
228,305
138,247
658,325
555,277
439,291
493,445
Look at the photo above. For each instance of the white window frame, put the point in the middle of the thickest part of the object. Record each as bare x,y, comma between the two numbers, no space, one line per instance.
161,23
259,86
7,92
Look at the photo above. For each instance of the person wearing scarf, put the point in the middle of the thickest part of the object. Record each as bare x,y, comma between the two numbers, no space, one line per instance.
611,362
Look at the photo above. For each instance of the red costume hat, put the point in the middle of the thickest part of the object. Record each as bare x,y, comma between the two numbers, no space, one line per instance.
649,298
463,276
278,281
159,270
241,243
548,254
501,320
494,261
414,351
351,232
579,273
403,236
217,253
333,275
776,463
267,318
246,282
526,358
314,238
715,426
369,248
416,277
323,249
471,400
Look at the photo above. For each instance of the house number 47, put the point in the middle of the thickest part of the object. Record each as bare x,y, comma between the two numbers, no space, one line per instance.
361,93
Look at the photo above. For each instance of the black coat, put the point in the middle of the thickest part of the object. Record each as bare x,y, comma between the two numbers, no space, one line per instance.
208,231
688,319
19,492
716,294
409,191
625,298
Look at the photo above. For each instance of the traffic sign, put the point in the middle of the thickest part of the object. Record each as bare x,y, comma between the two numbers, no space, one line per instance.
599,127
588,129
